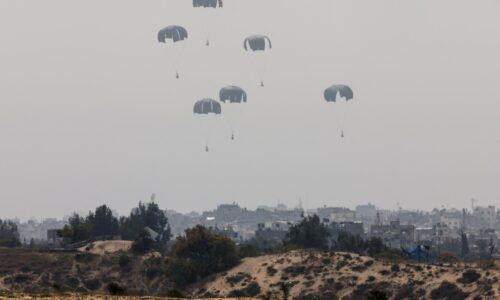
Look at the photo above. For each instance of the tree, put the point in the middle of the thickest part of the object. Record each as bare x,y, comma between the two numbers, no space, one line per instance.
77,229
351,243
483,251
465,245
99,223
491,248
102,222
309,233
199,253
9,235
259,246
375,246
143,243
145,215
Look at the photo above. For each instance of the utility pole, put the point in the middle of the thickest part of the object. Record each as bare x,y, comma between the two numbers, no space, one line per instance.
464,214
377,219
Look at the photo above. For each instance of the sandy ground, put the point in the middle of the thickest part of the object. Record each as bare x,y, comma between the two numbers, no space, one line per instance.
99,297
107,247
324,271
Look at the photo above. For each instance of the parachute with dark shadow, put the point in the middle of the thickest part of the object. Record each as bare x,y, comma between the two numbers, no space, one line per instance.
207,15
207,106
257,47
172,36
340,109
343,90
232,94
207,110
207,3
173,32
257,43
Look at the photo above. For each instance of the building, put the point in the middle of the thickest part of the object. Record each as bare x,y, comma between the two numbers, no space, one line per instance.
354,228
394,234
424,235
367,211
272,231
488,214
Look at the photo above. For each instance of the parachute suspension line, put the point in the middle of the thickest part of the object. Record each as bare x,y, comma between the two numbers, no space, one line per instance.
258,63
176,53
337,119
182,50
235,114
203,135
230,119
342,121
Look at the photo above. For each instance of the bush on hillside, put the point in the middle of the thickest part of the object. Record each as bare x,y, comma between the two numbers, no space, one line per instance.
199,253
309,233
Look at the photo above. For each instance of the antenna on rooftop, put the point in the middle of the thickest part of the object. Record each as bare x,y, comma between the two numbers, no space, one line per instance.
399,210
473,202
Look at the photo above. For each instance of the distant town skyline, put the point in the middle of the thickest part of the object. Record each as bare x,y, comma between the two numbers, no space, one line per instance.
272,206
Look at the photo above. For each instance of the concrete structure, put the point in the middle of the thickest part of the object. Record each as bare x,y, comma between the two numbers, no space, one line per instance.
488,214
353,228
394,234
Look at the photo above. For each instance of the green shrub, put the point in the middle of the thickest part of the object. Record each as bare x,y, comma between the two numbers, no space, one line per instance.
376,295
21,278
175,293
469,276
116,289
199,253
124,260
448,290
84,257
92,284
309,233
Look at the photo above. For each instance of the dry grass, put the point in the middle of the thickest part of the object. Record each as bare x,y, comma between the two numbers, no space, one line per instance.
348,276
69,296
309,273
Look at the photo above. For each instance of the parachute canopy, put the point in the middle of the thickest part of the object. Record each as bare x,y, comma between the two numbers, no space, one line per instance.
207,3
233,94
343,90
207,106
257,43
174,32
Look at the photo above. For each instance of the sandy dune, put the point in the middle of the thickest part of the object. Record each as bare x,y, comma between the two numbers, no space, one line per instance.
106,247
346,276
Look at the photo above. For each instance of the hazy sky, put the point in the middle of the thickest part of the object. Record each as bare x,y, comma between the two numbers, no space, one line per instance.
90,111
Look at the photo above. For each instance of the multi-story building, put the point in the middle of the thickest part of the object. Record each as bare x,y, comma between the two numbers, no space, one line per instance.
394,234
488,214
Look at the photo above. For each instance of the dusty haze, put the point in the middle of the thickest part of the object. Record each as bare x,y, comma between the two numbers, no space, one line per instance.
90,112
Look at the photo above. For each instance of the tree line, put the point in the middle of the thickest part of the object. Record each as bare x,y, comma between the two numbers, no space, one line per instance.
137,226
9,235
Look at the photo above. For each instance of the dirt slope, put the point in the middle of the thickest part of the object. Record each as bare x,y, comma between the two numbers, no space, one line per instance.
310,275
313,274
26,271
106,247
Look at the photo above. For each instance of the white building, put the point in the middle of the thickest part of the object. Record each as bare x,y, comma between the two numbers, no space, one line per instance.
488,214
